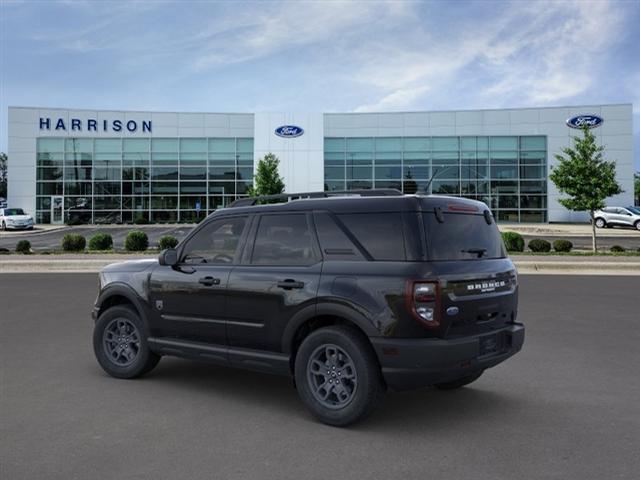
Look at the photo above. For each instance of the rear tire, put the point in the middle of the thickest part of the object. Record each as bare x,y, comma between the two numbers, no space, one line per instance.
337,376
600,223
120,343
4,226
461,382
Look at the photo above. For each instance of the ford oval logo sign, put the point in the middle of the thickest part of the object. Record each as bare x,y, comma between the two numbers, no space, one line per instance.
581,121
289,131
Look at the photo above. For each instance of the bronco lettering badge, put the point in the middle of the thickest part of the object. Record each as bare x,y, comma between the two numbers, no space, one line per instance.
488,286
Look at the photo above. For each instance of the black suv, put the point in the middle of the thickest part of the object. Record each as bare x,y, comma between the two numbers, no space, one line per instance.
349,295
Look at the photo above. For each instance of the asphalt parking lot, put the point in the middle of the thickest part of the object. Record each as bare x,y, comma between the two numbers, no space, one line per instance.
566,407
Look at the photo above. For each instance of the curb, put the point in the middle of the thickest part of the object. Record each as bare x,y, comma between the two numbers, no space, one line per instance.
577,268
525,267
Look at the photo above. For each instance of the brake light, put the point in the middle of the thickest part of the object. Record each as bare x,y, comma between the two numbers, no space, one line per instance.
423,301
461,207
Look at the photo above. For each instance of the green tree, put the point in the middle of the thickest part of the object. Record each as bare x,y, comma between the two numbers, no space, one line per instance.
3,174
636,187
585,177
409,185
267,180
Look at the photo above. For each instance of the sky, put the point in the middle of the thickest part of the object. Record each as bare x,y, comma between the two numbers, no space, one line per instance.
322,56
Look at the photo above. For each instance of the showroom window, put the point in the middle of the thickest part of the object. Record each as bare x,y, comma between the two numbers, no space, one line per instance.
508,173
112,180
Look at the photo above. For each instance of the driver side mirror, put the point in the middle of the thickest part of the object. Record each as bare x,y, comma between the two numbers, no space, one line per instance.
168,257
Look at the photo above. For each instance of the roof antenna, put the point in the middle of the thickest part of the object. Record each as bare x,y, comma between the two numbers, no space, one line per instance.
433,175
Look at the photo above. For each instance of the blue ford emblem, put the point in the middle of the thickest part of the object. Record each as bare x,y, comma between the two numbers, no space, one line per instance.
580,121
452,311
289,131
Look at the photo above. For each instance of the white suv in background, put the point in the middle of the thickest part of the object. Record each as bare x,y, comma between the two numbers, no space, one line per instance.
15,218
618,216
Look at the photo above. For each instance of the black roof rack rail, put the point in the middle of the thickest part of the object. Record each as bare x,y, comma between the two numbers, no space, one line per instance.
288,197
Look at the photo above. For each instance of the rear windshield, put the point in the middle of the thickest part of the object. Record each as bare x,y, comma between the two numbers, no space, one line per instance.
462,236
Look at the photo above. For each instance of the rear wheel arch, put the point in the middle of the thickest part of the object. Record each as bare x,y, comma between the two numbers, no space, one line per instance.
301,327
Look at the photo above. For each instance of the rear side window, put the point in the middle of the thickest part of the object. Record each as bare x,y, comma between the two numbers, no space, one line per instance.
283,240
462,237
381,234
334,242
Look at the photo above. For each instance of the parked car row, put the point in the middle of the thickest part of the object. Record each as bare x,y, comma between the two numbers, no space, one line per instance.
618,217
15,218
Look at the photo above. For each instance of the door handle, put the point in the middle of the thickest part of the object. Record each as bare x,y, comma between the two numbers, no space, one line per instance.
208,281
288,284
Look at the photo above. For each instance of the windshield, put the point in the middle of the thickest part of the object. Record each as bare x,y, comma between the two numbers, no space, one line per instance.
462,236
635,210
8,212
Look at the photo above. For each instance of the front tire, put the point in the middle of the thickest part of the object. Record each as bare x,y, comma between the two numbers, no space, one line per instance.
4,226
600,223
120,343
337,376
461,382
637,225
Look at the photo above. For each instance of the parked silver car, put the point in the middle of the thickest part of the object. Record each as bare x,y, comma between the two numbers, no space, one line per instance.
618,217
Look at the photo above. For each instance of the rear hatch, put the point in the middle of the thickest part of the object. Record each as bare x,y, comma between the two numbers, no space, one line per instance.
477,282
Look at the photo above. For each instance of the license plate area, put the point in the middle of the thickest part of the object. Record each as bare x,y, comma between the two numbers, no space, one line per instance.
489,345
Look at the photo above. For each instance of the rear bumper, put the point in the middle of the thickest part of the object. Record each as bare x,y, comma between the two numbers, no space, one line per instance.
413,363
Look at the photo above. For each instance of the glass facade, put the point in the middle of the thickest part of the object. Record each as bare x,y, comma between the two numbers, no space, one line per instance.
113,180
508,173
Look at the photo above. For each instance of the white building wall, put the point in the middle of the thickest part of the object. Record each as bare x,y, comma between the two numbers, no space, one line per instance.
24,129
301,158
616,134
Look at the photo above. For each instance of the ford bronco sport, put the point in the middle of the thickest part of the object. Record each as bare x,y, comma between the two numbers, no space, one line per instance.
350,295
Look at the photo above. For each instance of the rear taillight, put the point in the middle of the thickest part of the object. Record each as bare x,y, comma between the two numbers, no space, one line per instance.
423,301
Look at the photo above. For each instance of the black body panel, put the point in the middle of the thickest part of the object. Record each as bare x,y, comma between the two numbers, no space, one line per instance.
254,315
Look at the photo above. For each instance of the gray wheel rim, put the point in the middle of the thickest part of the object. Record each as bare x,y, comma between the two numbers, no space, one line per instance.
121,341
600,223
332,376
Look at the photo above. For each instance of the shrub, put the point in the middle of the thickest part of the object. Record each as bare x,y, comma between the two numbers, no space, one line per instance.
513,241
75,220
136,241
141,220
539,245
562,245
23,246
618,249
101,241
73,242
167,241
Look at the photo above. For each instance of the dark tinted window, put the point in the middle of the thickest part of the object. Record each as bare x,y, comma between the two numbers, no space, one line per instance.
334,242
462,237
13,211
283,240
216,243
380,234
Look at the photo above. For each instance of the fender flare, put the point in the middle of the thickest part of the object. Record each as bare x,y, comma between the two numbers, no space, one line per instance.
123,290
325,309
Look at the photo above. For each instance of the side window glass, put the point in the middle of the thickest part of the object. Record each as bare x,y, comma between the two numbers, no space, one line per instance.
283,240
216,243
335,244
381,234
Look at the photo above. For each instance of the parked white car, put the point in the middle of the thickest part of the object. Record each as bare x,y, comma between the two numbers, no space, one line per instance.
618,217
15,218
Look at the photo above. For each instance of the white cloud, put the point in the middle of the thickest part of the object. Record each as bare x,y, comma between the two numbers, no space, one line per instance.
531,53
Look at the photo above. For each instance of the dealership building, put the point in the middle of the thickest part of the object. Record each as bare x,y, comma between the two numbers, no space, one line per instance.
106,166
